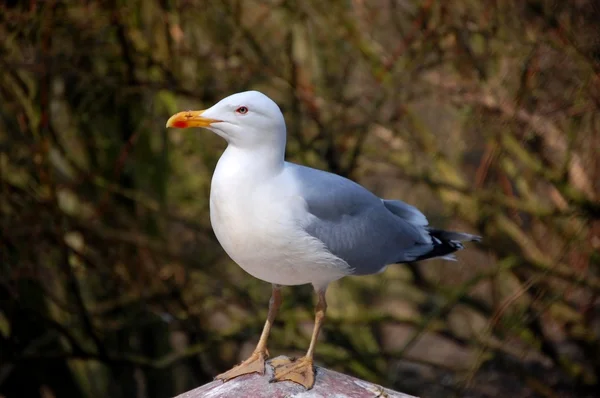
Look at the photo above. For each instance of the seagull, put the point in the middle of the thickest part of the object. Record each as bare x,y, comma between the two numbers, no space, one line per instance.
288,224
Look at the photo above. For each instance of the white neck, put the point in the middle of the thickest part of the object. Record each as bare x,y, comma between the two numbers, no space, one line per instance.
257,164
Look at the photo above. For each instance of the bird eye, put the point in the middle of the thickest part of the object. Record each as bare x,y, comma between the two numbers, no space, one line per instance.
242,110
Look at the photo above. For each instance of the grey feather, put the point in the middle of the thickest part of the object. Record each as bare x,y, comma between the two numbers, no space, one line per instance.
406,211
357,226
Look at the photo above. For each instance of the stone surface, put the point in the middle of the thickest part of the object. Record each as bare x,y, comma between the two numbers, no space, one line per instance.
328,384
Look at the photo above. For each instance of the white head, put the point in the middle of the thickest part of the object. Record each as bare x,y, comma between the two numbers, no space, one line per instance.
247,120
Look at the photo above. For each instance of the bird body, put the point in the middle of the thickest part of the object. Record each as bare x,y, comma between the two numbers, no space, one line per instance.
292,225
260,222
289,224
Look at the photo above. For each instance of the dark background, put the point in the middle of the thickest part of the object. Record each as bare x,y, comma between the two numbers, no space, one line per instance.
484,114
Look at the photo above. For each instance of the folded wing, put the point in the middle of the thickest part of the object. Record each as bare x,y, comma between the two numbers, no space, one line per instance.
359,227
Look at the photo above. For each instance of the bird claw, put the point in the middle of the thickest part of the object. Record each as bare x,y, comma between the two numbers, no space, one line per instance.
299,371
254,364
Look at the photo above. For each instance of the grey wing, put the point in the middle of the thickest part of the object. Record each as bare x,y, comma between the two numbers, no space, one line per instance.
359,227
410,213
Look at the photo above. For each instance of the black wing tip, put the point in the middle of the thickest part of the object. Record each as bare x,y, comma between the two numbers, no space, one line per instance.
453,236
474,238
447,242
456,244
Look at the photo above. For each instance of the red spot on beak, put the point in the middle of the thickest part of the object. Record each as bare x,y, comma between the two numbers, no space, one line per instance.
180,124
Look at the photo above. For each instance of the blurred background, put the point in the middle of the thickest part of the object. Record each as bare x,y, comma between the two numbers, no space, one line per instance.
484,114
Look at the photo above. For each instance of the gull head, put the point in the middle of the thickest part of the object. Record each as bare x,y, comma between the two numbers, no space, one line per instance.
247,120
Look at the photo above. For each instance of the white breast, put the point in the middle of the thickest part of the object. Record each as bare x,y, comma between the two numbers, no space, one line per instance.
260,228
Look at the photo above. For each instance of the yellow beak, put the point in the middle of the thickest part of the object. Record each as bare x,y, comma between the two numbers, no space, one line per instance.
183,120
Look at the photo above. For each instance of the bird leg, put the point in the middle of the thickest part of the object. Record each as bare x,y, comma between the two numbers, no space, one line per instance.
301,370
256,362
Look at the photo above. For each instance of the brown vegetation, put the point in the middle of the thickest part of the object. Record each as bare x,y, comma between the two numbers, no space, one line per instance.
485,114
